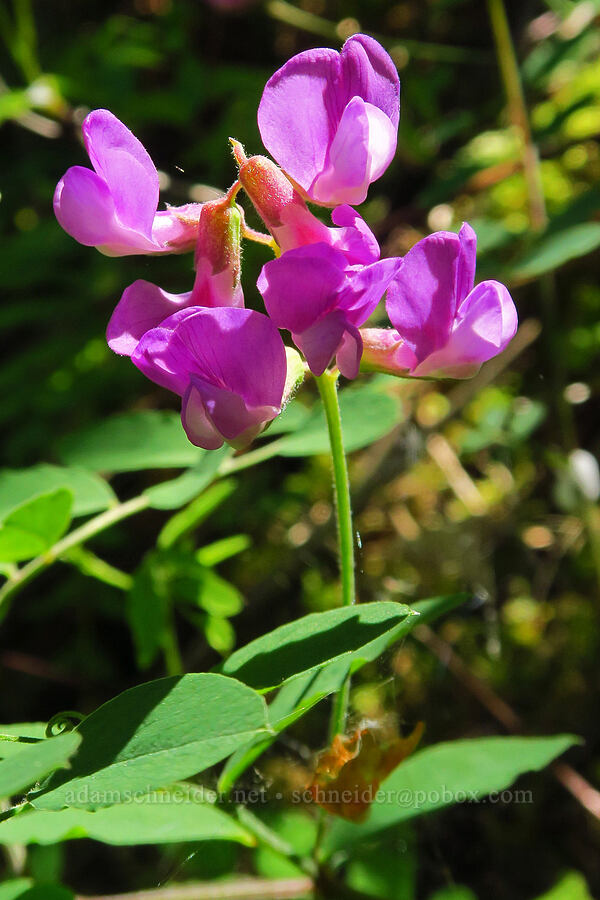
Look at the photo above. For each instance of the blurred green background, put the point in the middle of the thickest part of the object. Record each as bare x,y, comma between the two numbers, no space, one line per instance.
477,489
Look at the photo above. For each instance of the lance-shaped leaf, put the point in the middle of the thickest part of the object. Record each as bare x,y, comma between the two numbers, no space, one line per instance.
159,818
354,633
34,761
300,694
154,734
448,773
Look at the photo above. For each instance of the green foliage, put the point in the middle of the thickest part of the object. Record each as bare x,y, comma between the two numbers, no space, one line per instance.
169,578
367,411
33,761
179,491
152,735
388,870
35,526
571,886
14,887
352,635
90,493
141,440
299,830
456,892
160,818
185,77
464,771
557,249
36,891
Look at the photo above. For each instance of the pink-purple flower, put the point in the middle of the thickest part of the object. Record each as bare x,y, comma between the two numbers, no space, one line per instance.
322,295
443,325
331,119
227,364
114,207
217,260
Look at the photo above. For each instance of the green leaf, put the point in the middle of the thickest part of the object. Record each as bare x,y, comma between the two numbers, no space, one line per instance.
90,492
294,699
572,886
215,553
295,827
14,888
217,596
367,415
35,526
300,694
150,439
448,773
20,729
431,609
553,251
219,634
386,871
291,419
147,610
159,818
154,734
34,761
179,491
315,640
197,512
46,892
455,892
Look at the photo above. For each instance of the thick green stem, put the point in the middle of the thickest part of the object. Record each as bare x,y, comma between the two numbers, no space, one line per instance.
328,388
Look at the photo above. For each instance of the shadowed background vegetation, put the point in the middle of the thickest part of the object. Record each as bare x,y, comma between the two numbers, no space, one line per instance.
480,486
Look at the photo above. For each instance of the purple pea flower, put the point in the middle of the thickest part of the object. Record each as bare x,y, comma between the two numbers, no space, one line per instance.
443,326
114,207
227,364
321,294
145,305
331,119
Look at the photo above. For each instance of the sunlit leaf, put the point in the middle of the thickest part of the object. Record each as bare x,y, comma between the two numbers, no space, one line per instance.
34,761
179,491
160,818
315,640
448,773
154,734
149,439
90,493
35,526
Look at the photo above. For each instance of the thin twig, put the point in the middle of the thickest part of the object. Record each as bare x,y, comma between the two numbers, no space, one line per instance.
240,889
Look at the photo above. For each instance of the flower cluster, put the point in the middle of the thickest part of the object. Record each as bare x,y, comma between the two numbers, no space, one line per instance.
330,121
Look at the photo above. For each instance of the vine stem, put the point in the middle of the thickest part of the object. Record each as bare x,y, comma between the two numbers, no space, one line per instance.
327,384
73,539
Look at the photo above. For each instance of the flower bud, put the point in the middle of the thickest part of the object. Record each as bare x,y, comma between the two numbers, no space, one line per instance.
279,204
218,257
144,305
